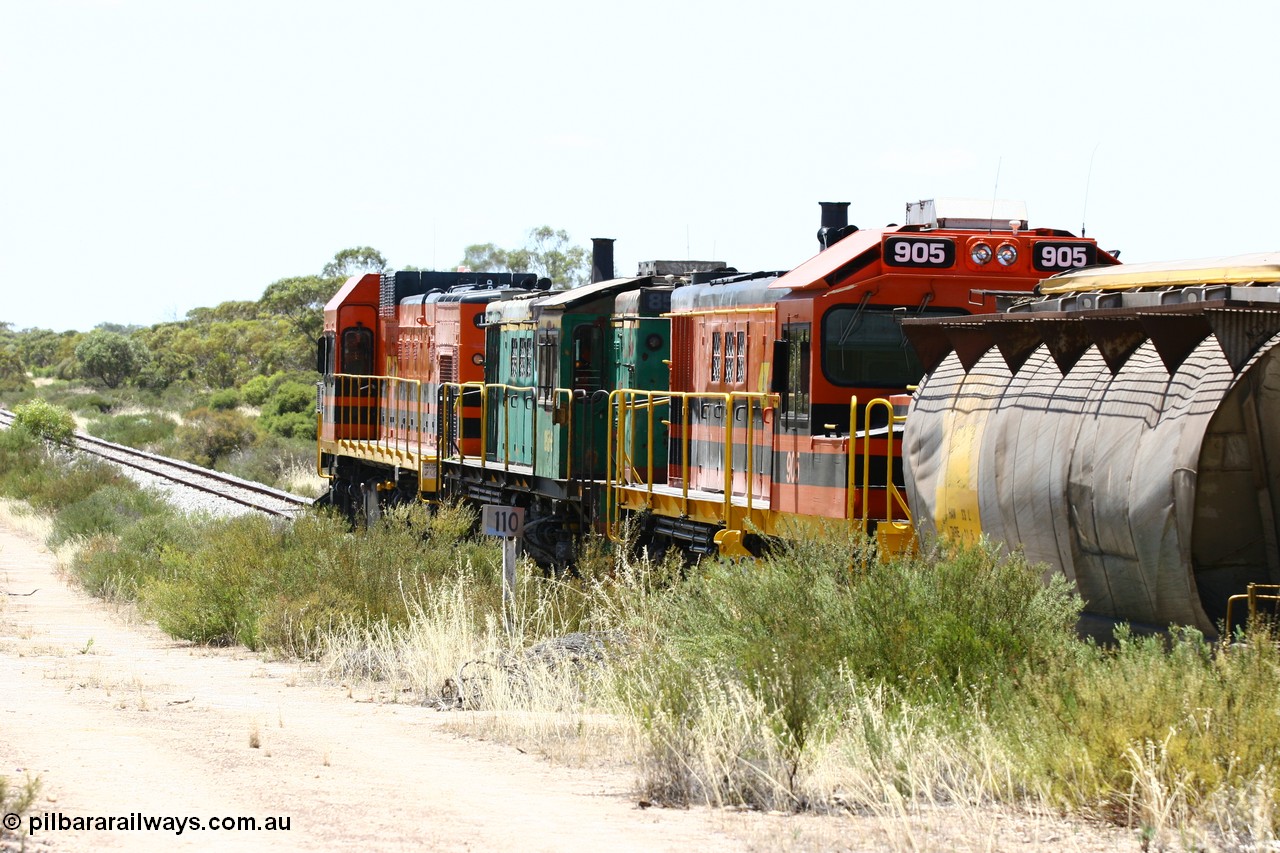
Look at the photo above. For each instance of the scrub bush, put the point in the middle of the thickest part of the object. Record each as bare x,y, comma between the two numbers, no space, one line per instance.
224,399
144,431
208,436
110,509
45,421
783,644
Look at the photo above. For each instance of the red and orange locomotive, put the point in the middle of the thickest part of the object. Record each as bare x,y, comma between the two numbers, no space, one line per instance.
773,414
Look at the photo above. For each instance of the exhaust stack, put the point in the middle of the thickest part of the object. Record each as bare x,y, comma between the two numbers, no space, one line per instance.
601,259
835,223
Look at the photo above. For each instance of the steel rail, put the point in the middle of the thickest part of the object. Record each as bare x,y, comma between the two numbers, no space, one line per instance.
201,479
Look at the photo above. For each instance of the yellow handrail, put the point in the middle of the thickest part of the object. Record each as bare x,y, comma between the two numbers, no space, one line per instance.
387,434
620,464
851,489
614,471
1253,596
485,389
893,496
446,420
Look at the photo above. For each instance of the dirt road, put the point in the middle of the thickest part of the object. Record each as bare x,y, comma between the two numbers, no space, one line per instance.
120,721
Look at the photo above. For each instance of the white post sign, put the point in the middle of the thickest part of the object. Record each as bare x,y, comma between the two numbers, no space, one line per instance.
507,522
501,520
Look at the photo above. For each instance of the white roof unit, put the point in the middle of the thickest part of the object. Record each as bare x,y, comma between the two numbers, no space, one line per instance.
994,214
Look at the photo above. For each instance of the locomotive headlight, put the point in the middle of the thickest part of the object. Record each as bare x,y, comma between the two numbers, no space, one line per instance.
1007,254
980,253
477,359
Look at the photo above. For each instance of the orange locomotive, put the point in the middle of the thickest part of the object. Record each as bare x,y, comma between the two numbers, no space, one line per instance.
779,409
397,350
774,413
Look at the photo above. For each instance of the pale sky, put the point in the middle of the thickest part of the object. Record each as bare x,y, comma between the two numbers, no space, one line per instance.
159,155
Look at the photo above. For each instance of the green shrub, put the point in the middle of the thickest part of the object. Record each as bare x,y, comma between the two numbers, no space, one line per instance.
290,411
45,421
253,581
270,459
291,397
20,452
48,482
224,400
207,436
106,510
13,373
146,430
952,624
95,403
198,609
1194,718
777,629
300,425
295,625
792,634
179,396
155,547
257,390
67,369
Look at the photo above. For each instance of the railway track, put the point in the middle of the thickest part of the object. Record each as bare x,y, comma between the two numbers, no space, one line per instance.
184,475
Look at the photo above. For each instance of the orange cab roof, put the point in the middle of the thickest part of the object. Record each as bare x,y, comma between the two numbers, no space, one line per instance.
813,273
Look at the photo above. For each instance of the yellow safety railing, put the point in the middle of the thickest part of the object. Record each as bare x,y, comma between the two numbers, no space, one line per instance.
489,391
446,412
627,406
386,413
621,434
893,498
851,487
620,399
1253,595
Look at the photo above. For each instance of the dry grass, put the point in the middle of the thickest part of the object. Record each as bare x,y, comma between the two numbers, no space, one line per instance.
17,798
18,516
302,479
569,711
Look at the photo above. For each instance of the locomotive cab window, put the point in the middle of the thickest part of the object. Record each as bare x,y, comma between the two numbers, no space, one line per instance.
526,360
796,404
587,355
547,357
865,347
357,351
741,358
324,354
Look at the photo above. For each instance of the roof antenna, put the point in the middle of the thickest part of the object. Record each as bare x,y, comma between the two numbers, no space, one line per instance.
1087,181
995,192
